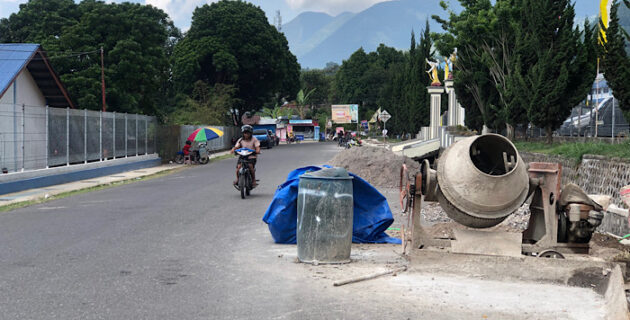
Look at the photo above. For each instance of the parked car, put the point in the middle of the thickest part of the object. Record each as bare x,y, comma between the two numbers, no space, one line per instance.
584,125
265,139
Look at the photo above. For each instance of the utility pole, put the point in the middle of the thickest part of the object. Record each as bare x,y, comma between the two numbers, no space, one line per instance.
277,21
597,100
103,80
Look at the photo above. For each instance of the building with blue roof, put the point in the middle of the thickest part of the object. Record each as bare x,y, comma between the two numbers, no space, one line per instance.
28,84
27,78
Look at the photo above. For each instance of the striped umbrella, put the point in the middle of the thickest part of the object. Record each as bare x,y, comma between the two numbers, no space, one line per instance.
205,134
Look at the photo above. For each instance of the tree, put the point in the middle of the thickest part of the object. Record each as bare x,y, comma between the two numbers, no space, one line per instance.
206,106
502,54
519,60
616,62
39,21
362,78
349,80
276,112
136,40
315,78
302,100
417,94
466,31
232,42
561,66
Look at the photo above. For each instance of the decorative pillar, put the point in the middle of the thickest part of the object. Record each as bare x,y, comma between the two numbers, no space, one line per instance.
436,102
461,115
452,103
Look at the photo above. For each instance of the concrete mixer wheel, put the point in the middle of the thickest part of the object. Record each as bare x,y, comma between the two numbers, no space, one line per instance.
553,254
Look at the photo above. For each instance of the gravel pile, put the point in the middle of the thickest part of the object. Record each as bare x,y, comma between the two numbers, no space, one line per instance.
442,225
378,166
381,168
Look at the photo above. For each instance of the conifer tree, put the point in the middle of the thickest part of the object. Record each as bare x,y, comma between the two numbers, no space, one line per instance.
560,65
616,62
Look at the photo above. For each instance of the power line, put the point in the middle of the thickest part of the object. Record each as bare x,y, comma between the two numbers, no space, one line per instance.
63,52
66,55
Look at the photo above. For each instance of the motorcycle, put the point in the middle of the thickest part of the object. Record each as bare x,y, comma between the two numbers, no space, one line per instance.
353,143
201,155
340,142
245,182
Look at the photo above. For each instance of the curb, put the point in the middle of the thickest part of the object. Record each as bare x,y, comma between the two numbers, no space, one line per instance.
39,194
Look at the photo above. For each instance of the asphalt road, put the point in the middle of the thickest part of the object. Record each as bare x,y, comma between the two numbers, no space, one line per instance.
185,246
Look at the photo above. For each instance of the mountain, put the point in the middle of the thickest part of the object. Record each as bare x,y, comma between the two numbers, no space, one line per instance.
388,22
305,25
309,29
317,38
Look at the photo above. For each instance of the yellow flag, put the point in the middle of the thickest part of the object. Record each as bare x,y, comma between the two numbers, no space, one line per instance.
375,116
604,14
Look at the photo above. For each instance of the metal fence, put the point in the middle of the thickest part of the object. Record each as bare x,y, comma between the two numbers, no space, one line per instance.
171,139
221,143
35,137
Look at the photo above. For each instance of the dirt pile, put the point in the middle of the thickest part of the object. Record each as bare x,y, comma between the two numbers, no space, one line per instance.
378,166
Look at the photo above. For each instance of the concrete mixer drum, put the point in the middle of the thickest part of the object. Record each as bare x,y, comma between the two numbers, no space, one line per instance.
481,180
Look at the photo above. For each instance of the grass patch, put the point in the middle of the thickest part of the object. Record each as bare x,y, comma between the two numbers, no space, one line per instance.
576,150
66,194
18,205
222,157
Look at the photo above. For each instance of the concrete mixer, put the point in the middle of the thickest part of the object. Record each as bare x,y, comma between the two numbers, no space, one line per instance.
481,180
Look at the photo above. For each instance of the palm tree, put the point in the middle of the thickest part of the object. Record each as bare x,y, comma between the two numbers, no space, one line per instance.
302,100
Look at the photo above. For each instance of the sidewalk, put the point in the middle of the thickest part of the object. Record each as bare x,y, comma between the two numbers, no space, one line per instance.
375,143
50,191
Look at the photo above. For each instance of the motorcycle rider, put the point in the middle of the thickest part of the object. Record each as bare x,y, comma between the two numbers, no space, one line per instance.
291,137
250,142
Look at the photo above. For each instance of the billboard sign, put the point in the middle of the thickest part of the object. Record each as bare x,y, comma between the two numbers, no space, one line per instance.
307,121
345,113
354,113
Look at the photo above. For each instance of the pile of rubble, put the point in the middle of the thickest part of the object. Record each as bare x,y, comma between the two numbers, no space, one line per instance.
379,166
441,226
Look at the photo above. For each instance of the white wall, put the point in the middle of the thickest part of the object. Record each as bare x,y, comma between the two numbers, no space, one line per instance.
28,93
23,97
7,153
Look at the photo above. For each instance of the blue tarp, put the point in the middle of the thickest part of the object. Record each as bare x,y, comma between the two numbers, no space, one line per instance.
371,218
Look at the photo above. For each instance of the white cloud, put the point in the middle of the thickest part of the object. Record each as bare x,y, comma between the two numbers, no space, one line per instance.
179,10
332,7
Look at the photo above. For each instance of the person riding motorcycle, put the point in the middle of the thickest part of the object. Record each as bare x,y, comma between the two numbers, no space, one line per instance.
250,142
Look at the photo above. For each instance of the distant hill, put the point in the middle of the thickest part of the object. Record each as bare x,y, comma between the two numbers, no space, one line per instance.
304,26
317,38
387,22
309,29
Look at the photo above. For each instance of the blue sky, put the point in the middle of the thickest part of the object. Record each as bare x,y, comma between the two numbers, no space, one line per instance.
181,10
